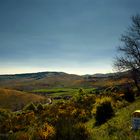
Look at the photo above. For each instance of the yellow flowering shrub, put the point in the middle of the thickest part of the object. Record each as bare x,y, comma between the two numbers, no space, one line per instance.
47,132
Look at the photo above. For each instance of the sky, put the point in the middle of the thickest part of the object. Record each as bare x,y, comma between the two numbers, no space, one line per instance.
73,36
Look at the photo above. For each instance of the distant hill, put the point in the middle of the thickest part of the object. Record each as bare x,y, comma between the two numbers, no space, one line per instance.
15,100
108,75
33,81
16,90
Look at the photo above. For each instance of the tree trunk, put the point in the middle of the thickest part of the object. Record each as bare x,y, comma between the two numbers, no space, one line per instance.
135,76
136,84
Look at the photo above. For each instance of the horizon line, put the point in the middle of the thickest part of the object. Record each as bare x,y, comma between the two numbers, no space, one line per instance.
6,74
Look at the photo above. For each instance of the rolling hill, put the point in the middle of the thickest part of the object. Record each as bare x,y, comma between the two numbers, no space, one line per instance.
32,81
15,100
49,80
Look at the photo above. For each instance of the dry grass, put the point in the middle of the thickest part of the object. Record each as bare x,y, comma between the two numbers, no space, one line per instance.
15,100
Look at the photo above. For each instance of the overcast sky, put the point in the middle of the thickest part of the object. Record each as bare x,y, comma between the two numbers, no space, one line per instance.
74,36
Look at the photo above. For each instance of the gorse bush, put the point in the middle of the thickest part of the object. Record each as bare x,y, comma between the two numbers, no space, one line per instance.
40,107
129,95
21,135
58,121
22,121
83,104
4,114
81,132
5,120
30,106
67,129
104,110
46,133
81,91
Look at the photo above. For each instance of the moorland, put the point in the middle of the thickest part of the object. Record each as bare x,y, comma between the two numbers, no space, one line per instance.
61,106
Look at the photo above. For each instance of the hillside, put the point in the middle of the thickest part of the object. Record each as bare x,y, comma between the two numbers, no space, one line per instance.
117,128
40,80
15,100
49,80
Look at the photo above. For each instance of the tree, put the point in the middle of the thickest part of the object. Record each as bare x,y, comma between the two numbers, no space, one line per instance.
129,53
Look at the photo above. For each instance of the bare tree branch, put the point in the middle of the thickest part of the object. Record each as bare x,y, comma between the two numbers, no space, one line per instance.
129,58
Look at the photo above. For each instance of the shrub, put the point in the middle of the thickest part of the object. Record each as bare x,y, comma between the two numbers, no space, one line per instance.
128,95
4,114
81,91
19,136
30,106
40,107
121,104
67,129
5,122
84,105
46,133
104,110
81,132
22,121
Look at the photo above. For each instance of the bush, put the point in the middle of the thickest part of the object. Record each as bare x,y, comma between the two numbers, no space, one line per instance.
30,106
104,110
4,114
84,105
81,132
5,122
66,129
22,121
46,133
40,107
81,91
128,95
19,136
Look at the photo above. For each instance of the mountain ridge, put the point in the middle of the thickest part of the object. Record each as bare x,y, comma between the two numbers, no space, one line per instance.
30,81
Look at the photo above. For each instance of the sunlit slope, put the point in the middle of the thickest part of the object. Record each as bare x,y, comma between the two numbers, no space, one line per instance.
28,82
15,100
49,80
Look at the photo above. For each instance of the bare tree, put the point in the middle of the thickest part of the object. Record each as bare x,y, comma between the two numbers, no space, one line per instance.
129,53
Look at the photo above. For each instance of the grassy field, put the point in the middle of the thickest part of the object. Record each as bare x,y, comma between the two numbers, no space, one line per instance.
117,128
15,100
55,92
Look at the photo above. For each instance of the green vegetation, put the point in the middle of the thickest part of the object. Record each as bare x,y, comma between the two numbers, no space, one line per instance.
104,110
40,107
62,120
118,127
56,91
128,95
30,106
